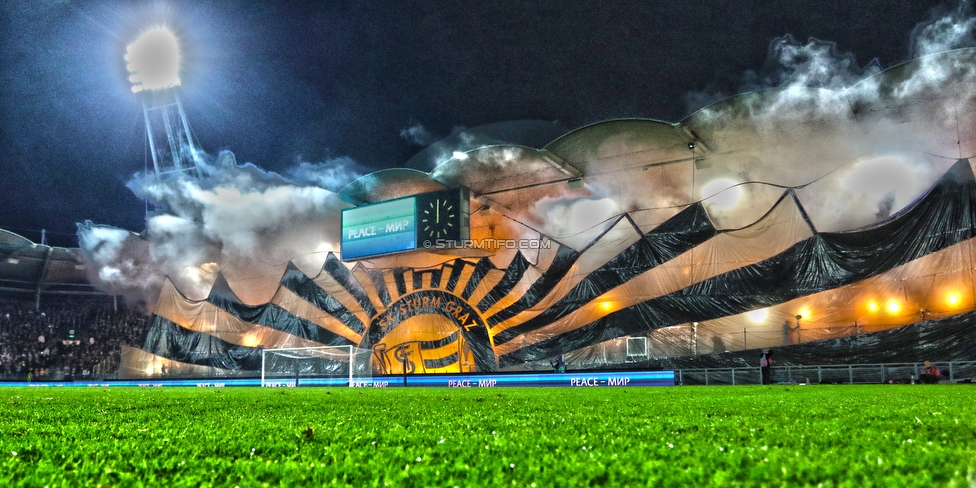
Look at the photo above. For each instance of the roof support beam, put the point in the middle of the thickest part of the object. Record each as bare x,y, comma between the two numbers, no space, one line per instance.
41,277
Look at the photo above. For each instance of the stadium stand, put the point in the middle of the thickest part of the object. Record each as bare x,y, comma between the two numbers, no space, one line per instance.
65,339
54,324
33,270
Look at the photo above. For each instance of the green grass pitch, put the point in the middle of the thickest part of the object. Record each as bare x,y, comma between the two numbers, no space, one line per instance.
879,435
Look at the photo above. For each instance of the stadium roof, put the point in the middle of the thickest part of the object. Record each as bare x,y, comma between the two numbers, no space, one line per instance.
27,267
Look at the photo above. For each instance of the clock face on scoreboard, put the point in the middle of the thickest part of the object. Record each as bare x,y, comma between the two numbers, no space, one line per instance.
442,216
438,220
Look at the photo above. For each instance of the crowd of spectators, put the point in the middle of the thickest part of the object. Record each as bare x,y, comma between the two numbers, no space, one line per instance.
66,338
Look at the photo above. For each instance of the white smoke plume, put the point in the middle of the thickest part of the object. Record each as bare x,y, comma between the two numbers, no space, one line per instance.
790,63
869,141
118,261
575,220
418,135
795,67
464,142
331,175
232,216
813,81
815,64
953,30
460,141
488,164
813,113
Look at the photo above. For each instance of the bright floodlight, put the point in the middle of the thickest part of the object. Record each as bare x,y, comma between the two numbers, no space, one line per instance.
154,61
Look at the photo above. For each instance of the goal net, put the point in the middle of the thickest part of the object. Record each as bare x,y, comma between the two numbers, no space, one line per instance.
316,366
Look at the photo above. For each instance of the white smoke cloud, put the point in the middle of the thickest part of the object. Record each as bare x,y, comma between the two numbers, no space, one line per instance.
118,261
812,110
489,161
418,135
792,64
332,174
461,141
870,189
951,31
575,220
722,194
874,141
233,214
815,64
795,68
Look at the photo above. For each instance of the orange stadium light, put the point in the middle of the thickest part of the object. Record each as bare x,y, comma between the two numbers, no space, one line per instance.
251,340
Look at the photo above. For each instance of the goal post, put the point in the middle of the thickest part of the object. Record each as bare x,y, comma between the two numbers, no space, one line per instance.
315,366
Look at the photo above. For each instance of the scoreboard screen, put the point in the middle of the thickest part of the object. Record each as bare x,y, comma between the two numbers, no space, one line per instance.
380,228
424,221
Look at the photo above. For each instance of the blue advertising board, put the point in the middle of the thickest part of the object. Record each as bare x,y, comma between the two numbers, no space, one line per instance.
580,379
572,380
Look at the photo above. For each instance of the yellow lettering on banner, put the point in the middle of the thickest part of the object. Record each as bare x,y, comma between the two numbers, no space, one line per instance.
451,307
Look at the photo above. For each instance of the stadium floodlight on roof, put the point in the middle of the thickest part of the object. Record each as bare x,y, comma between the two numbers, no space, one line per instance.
153,62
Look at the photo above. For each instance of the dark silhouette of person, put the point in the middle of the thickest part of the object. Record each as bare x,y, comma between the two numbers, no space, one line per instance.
559,365
765,366
718,345
788,333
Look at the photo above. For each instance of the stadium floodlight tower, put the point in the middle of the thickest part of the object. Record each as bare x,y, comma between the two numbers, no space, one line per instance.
153,62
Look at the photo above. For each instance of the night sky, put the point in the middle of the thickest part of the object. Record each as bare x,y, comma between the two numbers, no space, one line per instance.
279,83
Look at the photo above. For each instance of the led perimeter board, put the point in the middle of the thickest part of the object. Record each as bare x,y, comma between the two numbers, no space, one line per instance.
428,220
